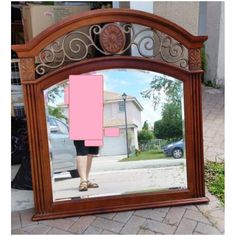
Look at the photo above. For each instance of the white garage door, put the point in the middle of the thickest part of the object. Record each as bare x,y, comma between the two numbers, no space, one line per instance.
113,146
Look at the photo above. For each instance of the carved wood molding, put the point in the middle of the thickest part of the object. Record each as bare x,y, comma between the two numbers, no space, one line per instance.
199,189
195,59
27,69
112,38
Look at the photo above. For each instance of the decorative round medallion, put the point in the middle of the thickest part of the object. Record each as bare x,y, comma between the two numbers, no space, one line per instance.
112,38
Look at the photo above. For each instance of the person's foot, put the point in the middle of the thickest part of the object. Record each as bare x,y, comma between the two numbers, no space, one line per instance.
91,184
83,186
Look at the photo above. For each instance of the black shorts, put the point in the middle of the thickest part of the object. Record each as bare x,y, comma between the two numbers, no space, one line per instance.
82,150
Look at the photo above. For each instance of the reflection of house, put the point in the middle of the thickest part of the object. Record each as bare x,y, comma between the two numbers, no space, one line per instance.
114,117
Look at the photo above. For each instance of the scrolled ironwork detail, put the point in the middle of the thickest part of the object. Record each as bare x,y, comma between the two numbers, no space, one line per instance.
115,39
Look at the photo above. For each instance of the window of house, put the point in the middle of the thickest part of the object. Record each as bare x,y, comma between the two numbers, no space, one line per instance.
19,111
15,75
121,106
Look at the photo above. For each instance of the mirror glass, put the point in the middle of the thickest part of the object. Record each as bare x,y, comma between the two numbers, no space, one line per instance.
142,148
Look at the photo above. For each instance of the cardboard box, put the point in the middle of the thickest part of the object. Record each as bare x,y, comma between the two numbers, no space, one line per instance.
37,18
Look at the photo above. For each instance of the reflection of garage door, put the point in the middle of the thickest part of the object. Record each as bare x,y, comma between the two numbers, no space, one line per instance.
113,146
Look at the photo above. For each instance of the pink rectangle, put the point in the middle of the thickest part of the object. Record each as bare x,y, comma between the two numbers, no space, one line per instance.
86,107
93,143
112,132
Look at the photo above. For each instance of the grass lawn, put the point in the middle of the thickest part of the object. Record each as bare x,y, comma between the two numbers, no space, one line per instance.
146,155
215,179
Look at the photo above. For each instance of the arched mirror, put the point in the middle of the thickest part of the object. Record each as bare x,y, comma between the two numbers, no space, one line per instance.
152,152
142,109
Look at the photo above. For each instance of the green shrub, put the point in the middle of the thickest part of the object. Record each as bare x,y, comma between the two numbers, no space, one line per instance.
215,179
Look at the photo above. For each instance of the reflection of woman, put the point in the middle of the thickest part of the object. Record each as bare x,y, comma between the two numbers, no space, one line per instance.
84,162
84,97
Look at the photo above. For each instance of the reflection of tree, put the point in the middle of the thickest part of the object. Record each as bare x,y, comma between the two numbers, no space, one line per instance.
145,135
56,92
145,125
56,112
170,127
172,90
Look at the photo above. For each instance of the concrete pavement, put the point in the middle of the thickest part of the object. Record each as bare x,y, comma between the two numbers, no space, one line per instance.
192,219
213,124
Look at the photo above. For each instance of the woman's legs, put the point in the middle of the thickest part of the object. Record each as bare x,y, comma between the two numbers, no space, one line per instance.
82,167
84,164
89,164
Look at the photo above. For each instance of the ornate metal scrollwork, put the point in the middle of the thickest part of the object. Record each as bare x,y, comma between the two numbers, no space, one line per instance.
114,39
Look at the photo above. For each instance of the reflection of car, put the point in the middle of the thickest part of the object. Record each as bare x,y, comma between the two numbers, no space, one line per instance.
175,149
62,148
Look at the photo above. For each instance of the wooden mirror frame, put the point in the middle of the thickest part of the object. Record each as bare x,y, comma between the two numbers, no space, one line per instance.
33,89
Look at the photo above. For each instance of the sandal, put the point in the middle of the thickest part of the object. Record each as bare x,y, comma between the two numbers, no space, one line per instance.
92,185
83,186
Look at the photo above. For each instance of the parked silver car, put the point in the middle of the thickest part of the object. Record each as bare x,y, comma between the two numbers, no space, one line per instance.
62,149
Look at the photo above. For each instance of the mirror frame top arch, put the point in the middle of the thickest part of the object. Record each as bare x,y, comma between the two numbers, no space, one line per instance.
33,88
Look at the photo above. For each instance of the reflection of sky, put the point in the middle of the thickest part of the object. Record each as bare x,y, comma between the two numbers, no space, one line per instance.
132,82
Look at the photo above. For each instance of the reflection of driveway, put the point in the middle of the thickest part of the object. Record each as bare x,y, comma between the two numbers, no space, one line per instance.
123,181
115,178
108,163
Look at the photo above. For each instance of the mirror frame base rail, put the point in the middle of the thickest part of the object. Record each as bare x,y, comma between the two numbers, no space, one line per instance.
167,203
